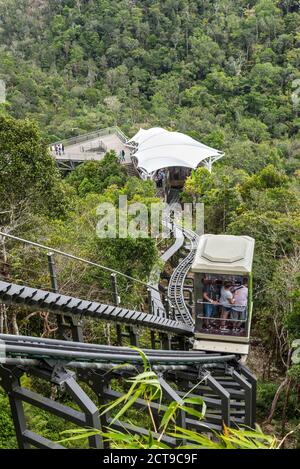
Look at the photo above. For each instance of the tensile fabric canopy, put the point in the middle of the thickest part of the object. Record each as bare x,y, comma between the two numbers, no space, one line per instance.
158,148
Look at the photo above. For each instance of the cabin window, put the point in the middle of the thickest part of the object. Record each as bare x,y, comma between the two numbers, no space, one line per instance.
222,304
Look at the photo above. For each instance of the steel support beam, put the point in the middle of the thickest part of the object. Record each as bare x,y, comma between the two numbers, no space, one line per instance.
10,381
246,386
253,381
172,396
224,396
90,409
89,417
39,441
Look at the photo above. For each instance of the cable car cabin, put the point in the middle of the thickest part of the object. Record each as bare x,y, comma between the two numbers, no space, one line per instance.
223,293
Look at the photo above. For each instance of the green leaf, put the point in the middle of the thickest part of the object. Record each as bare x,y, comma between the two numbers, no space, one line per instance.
84,434
201,441
114,404
115,435
145,374
127,406
191,411
150,439
196,401
76,430
146,362
169,413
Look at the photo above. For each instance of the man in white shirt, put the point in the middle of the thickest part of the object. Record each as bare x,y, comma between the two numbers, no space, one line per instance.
239,309
226,300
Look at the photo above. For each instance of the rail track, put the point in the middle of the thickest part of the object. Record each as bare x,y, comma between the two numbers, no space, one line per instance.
37,348
177,281
226,387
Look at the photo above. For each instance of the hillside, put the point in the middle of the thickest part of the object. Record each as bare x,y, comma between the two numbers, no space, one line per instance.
223,71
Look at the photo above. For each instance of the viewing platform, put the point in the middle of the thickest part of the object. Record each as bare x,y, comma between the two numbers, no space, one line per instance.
152,153
90,146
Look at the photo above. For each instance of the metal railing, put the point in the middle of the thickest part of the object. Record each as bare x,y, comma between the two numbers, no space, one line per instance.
228,391
92,135
114,273
232,307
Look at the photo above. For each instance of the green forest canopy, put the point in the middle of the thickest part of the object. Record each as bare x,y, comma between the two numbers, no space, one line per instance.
222,71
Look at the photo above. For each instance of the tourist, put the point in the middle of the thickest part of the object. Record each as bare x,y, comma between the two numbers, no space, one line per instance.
226,301
159,179
239,309
209,292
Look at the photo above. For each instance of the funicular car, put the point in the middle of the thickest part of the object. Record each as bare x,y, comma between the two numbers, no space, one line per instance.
222,271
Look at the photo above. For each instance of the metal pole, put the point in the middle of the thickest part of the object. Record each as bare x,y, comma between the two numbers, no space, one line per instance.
150,306
52,271
133,337
172,312
167,308
114,287
54,288
115,299
75,325
153,341
165,341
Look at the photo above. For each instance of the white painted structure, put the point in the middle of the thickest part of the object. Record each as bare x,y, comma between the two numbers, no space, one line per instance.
158,148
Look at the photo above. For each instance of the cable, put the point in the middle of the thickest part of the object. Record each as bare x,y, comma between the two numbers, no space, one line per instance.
80,259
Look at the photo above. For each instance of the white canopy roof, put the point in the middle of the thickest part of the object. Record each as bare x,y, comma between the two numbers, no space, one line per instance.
158,148
143,134
224,254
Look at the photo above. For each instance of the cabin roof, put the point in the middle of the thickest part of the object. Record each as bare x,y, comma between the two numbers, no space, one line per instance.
224,254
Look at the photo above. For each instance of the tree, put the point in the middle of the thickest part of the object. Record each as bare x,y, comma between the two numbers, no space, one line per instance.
30,185
96,176
268,178
29,178
253,129
205,53
268,19
221,206
198,184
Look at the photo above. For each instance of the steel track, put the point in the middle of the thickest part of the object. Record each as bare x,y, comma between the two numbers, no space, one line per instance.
43,349
177,280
